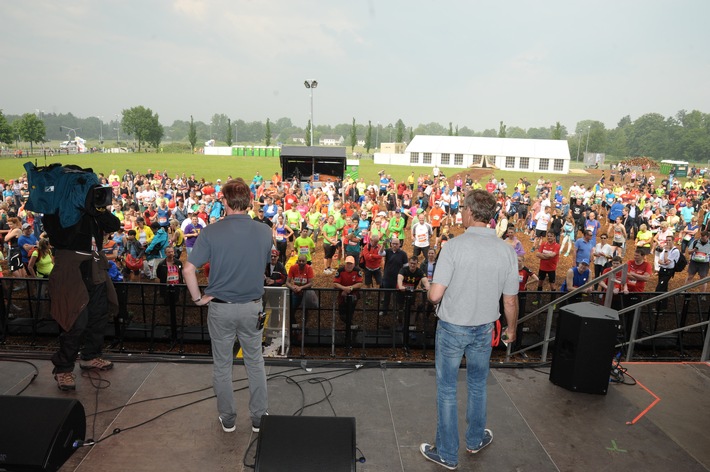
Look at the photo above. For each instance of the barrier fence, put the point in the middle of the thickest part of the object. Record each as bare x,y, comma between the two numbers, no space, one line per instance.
373,323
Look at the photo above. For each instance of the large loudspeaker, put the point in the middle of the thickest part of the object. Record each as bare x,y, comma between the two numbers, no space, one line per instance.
584,347
38,433
305,444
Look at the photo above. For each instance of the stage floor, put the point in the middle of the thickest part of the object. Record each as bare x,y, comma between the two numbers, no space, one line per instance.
536,425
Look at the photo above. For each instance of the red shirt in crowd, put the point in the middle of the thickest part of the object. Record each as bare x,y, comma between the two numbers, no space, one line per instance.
301,277
523,276
290,199
549,264
348,279
371,254
640,269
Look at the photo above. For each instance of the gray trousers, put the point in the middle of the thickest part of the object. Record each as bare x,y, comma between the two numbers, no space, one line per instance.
227,321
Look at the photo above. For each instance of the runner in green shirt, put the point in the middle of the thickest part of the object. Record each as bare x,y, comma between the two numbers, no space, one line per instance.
305,246
313,220
340,223
396,227
293,220
330,242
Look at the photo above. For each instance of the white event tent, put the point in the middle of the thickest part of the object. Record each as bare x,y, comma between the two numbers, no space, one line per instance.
532,155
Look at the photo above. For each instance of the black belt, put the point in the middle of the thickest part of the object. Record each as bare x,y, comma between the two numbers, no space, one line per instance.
219,300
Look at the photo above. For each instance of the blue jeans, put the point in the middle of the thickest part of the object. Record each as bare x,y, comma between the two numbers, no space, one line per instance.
452,342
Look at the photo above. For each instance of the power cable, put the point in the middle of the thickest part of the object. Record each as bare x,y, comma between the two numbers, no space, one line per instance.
22,361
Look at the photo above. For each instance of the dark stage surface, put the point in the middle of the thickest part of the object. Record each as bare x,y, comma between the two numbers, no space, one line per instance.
536,425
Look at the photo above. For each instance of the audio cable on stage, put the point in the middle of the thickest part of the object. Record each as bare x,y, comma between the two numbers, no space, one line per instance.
22,361
618,373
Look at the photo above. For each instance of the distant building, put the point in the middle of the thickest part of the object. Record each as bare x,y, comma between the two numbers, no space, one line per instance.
331,140
393,148
531,155
297,138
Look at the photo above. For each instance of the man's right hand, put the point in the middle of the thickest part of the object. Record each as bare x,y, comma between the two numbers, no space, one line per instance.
507,336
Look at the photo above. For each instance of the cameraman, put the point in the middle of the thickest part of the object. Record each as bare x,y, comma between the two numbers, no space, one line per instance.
79,286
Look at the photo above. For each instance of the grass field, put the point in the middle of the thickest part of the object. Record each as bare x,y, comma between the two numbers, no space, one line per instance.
213,167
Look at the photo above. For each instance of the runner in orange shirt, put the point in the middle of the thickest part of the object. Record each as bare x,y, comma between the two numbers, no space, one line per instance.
436,215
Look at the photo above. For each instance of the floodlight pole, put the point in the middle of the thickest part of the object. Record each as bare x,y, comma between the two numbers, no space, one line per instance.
377,136
310,85
118,131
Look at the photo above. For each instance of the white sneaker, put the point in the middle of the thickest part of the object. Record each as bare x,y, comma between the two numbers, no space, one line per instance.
227,429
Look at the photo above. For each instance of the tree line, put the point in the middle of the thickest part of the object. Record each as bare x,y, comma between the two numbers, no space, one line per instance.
684,136
137,124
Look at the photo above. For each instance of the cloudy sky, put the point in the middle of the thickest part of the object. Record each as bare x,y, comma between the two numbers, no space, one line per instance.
473,63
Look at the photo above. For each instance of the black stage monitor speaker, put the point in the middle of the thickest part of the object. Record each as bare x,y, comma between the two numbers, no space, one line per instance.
584,347
38,433
305,444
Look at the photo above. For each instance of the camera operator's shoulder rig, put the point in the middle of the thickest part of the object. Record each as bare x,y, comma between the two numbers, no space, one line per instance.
67,191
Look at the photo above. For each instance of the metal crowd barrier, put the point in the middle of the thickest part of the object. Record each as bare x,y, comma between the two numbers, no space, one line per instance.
161,318
631,327
154,317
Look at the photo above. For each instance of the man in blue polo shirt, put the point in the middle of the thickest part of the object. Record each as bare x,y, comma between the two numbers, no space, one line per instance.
583,247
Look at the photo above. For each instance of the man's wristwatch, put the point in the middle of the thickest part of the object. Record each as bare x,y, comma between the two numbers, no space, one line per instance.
195,300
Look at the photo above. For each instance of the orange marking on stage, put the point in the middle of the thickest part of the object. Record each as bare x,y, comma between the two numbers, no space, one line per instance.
640,415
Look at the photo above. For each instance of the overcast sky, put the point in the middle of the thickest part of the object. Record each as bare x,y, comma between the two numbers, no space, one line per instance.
473,63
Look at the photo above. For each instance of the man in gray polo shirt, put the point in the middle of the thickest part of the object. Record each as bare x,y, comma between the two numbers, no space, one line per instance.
472,272
237,249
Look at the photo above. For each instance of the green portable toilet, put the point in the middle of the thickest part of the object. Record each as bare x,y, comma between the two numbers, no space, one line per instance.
262,152
679,168
277,152
240,151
